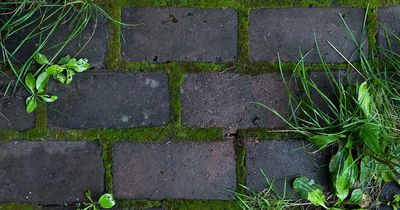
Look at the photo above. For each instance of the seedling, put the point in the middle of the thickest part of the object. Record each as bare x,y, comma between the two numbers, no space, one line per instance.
63,72
106,201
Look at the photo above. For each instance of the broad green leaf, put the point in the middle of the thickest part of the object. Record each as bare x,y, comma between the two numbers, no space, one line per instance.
30,82
61,78
369,134
41,59
389,176
64,60
42,80
70,75
79,66
321,141
54,69
356,197
347,175
106,201
31,106
48,98
309,190
364,99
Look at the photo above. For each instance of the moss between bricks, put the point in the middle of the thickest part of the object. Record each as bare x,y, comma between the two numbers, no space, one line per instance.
18,206
240,157
199,204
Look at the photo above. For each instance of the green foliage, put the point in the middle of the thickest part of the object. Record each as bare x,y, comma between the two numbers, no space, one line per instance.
63,72
310,191
359,118
106,201
395,203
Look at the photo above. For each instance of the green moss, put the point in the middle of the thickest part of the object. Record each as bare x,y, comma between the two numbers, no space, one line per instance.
18,206
137,204
240,151
176,77
107,161
199,204
151,134
262,133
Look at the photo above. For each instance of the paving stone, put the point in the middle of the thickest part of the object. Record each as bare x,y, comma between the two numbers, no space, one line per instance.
180,34
12,106
110,100
94,39
50,172
226,100
389,18
174,170
283,159
289,30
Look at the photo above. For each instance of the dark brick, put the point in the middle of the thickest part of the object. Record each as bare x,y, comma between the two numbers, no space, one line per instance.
288,31
283,159
94,37
174,170
389,18
110,100
389,191
12,106
50,172
180,34
225,100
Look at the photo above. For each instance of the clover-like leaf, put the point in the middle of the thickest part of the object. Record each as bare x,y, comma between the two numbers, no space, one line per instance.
30,82
106,201
41,59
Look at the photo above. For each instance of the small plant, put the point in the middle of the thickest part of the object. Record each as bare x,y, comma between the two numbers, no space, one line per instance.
63,72
106,201
395,203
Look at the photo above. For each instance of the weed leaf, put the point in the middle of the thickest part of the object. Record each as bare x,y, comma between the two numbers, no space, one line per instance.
42,80
364,99
30,82
322,141
356,197
106,201
31,106
79,66
54,69
41,59
48,98
369,134
309,190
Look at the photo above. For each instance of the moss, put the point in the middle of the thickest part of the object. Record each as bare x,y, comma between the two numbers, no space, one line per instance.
200,204
151,134
262,133
107,161
18,206
176,77
137,204
240,151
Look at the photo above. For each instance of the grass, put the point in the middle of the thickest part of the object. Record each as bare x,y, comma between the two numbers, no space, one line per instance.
359,117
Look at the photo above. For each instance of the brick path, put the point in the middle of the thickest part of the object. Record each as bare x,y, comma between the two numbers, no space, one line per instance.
153,122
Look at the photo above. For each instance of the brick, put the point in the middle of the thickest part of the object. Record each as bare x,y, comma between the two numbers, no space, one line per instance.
180,34
389,18
94,37
110,100
225,100
12,106
289,30
50,172
174,170
283,159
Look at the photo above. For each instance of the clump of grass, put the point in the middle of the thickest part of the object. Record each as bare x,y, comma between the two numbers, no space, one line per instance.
268,199
359,118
